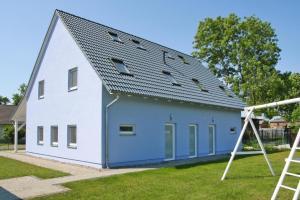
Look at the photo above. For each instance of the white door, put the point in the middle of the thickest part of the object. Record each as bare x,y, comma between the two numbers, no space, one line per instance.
169,141
211,140
192,140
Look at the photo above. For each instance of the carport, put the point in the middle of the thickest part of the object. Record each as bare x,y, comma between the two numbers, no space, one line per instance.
19,119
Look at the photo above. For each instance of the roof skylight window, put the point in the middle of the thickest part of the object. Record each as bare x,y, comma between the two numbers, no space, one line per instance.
121,67
222,87
183,59
138,44
169,55
171,78
114,37
199,85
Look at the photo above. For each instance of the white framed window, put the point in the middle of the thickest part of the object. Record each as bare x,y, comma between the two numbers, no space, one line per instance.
138,44
121,67
193,137
40,135
72,136
41,89
54,136
114,37
127,129
73,79
232,130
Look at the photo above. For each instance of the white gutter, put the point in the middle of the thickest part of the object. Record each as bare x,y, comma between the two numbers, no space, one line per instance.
107,131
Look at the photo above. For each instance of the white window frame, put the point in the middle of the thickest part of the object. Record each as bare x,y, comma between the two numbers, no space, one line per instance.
127,132
40,142
39,85
70,71
214,139
174,141
53,144
71,145
196,140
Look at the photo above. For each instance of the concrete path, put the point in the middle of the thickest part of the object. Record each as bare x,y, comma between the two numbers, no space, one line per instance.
30,186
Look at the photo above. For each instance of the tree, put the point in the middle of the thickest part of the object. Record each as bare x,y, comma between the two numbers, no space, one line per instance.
9,133
242,53
17,97
4,100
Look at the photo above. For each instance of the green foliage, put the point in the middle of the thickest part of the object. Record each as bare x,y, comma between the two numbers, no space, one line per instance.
4,100
17,97
9,133
243,53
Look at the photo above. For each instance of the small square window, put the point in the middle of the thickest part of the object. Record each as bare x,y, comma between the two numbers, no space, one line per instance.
40,135
225,90
114,37
41,89
183,59
138,44
121,67
171,78
73,79
199,85
72,136
127,129
54,136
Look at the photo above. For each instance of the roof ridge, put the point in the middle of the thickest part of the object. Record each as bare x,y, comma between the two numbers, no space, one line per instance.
57,10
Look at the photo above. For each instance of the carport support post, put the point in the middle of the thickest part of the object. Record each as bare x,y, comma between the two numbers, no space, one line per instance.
16,137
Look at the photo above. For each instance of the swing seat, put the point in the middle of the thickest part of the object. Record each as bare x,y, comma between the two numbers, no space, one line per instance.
248,152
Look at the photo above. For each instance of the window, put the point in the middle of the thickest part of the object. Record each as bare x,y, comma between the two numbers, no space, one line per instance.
199,85
40,135
192,140
225,90
114,37
72,136
72,79
138,44
41,89
127,129
121,67
183,59
169,55
171,78
54,136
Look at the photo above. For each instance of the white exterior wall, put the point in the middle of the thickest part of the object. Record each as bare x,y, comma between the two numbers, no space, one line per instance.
61,107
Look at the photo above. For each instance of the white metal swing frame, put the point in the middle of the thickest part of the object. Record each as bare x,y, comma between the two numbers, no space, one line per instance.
248,119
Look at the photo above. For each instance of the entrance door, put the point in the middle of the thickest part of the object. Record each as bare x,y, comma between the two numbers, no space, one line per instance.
192,140
169,141
211,140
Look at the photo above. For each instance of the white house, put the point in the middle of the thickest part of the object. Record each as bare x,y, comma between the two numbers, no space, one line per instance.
104,98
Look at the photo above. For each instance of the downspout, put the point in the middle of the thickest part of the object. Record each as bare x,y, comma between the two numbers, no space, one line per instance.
106,165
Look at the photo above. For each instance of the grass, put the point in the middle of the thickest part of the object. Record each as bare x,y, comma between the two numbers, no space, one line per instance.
10,168
248,178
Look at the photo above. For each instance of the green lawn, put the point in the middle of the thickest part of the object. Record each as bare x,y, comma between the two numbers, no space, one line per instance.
10,168
248,178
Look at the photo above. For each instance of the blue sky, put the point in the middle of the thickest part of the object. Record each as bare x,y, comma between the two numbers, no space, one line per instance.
172,23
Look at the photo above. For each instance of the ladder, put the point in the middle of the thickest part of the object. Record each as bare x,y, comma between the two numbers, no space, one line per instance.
285,171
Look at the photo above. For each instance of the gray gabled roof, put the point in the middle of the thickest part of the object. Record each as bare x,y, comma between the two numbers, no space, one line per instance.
5,113
145,65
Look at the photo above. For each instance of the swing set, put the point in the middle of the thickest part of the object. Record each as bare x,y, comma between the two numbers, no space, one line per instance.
289,160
